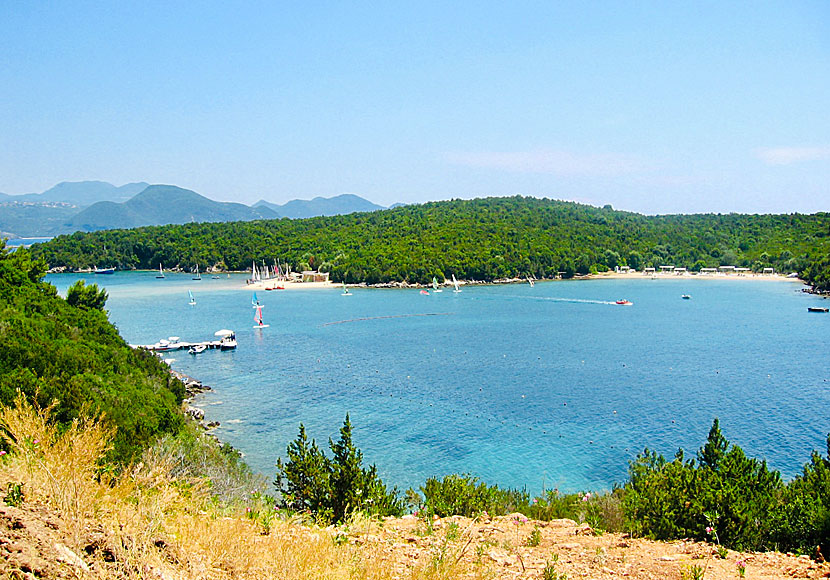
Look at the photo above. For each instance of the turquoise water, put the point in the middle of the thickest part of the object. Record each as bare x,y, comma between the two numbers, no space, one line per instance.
551,386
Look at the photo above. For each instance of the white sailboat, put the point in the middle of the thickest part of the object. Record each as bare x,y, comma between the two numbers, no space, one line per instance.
254,274
258,317
192,299
530,281
161,272
435,287
455,283
197,276
346,290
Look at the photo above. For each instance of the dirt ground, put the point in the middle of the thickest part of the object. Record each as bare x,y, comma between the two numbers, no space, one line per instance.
33,545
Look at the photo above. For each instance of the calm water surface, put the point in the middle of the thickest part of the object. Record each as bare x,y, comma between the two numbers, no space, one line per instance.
551,386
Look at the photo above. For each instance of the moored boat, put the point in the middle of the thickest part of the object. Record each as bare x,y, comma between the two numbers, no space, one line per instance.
817,309
227,340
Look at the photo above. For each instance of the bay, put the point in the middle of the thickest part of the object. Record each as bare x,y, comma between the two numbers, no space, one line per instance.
550,386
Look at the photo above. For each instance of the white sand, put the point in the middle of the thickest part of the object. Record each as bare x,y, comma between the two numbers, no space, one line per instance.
290,285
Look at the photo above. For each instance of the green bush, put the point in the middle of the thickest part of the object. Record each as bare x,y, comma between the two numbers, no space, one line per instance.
724,496
332,488
465,495
801,522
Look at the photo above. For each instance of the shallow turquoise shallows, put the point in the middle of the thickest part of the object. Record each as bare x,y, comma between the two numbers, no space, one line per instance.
546,386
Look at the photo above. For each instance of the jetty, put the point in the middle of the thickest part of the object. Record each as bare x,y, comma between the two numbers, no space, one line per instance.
226,341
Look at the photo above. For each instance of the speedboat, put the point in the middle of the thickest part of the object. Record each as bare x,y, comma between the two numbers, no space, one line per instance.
686,297
624,302
197,349
227,340
816,309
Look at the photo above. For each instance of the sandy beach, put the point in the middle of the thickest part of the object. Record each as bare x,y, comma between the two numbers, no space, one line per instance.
685,277
281,286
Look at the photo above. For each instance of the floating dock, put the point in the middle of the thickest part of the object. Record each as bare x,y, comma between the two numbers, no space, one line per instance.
165,346
226,342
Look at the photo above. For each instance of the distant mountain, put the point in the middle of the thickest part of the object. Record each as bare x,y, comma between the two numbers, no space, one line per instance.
319,206
160,205
95,205
83,193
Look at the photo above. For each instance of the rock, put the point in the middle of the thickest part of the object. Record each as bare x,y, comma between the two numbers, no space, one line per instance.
571,546
68,556
195,412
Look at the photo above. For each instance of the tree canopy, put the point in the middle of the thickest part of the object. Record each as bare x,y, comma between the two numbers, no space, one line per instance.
68,353
482,239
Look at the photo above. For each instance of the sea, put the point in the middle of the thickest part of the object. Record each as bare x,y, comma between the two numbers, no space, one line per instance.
553,386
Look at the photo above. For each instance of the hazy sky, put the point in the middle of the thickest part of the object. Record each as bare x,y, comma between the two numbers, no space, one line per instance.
654,107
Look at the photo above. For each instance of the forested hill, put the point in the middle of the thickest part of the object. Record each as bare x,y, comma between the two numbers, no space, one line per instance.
66,353
481,239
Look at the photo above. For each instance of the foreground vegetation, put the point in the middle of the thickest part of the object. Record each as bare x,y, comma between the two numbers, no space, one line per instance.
481,239
721,496
67,351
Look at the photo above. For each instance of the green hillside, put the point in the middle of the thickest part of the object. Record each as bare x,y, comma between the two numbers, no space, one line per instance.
67,352
482,239
162,204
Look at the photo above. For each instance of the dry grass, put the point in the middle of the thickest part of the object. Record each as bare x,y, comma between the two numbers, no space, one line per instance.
147,522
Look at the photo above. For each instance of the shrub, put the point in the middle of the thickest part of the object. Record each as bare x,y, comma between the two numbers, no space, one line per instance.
465,495
724,491
334,488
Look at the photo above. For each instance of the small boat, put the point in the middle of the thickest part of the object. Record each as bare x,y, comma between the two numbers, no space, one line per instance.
530,281
686,297
105,270
425,292
455,283
346,290
161,273
162,346
435,287
817,309
197,349
197,276
214,277
192,301
227,340
624,302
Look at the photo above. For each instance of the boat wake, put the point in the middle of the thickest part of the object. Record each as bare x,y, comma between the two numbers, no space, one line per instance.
553,299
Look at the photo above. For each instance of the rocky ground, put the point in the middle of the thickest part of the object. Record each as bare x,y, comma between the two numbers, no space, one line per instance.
564,547
34,545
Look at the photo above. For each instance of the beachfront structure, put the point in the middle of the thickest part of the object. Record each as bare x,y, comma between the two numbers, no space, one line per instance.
666,269
769,271
680,271
708,270
726,269
314,276
742,271
648,271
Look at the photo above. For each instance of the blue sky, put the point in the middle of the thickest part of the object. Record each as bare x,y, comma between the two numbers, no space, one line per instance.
655,107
